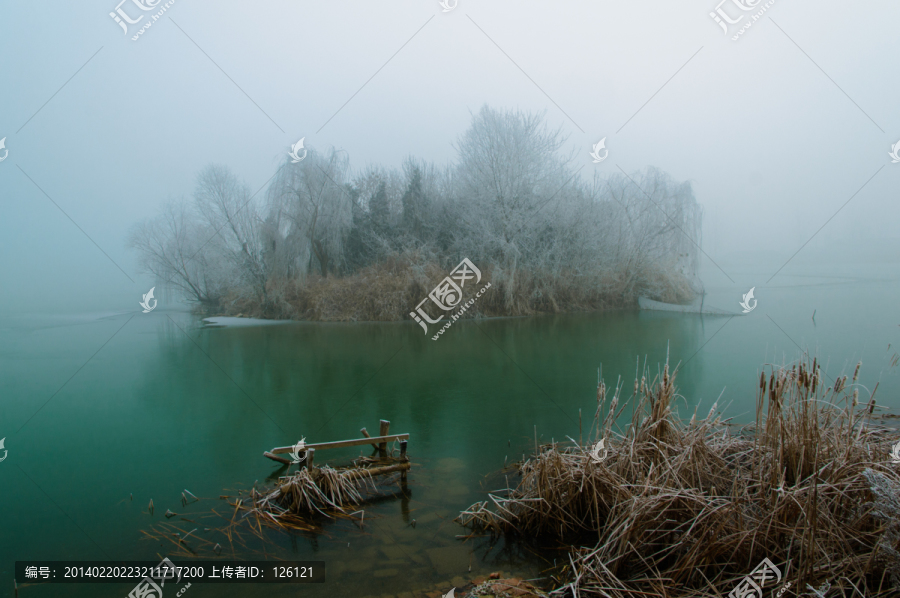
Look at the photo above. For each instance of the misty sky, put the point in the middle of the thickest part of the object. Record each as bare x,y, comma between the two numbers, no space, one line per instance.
776,131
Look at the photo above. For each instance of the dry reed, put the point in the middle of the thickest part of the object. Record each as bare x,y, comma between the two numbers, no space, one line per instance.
298,498
390,289
690,508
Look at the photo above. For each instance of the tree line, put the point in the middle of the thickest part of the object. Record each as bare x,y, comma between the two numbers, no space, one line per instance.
548,238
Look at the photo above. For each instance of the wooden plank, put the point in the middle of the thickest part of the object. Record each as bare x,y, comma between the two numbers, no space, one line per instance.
364,433
362,472
343,443
277,458
310,455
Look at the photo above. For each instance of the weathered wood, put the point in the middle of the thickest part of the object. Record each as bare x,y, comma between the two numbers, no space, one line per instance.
385,429
362,472
403,457
277,458
364,433
310,455
343,443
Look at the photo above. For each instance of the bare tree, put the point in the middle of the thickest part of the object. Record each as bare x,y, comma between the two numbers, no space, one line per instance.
226,205
510,168
510,162
171,247
311,197
512,203
658,233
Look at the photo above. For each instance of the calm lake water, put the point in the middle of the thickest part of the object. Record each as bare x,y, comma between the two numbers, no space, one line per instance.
150,404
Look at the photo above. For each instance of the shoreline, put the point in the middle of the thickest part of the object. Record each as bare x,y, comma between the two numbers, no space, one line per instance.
807,494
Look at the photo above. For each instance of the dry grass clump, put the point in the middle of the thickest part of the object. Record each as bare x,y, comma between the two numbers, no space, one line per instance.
386,291
319,491
689,509
298,503
390,289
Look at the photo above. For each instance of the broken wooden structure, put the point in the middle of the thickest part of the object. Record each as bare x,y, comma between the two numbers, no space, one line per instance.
308,452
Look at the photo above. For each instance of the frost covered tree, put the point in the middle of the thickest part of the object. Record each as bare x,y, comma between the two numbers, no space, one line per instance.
226,205
312,210
658,233
173,248
510,170
511,203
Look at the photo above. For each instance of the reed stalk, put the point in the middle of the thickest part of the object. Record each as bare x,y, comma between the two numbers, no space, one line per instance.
687,509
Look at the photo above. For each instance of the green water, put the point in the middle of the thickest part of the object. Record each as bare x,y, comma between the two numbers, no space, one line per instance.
150,404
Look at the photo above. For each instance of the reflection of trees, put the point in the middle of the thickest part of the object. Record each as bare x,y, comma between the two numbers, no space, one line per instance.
456,396
460,397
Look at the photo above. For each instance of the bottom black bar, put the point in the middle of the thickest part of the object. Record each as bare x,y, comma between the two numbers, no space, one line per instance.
159,573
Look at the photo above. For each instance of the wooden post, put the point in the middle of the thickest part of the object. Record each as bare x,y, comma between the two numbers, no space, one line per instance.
403,457
310,455
366,434
385,428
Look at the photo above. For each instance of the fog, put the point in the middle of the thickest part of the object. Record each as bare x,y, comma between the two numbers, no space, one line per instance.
784,133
